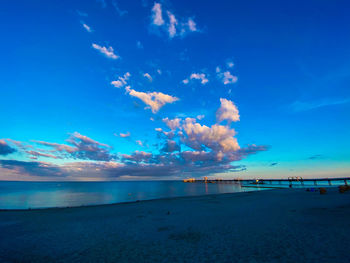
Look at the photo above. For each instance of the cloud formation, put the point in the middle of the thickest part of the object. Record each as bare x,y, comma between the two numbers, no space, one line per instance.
122,81
108,52
206,150
198,76
227,111
154,100
6,149
226,77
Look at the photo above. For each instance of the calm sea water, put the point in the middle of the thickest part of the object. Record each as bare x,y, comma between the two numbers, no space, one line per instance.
24,195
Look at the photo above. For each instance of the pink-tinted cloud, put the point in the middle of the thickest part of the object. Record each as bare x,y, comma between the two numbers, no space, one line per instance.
227,111
154,100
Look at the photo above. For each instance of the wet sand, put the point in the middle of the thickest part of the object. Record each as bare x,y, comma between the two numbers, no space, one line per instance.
289,225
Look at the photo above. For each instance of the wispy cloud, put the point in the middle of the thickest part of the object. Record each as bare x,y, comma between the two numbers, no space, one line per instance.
198,76
154,100
148,76
80,13
119,11
172,26
299,106
108,52
87,28
226,76
157,18
124,135
102,2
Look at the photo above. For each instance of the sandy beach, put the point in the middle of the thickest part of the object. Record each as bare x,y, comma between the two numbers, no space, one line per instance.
289,225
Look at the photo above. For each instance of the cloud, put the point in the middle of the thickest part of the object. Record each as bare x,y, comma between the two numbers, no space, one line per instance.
137,156
6,149
87,28
33,168
192,26
122,81
171,146
226,77
216,137
108,52
83,148
227,111
124,135
37,154
148,76
154,100
157,18
199,76
230,64
172,27
173,124
299,106
207,150
119,11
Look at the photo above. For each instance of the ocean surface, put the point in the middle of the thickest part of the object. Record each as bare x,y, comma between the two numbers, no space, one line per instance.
24,195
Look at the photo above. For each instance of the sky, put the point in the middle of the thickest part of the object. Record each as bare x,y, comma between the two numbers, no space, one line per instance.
163,90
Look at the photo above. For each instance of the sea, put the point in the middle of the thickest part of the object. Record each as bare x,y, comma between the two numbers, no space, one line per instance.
32,195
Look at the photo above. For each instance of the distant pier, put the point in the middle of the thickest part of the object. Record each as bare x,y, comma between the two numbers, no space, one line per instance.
277,183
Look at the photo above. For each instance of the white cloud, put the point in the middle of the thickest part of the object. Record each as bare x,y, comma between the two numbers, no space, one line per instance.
157,14
108,52
217,137
119,11
199,76
227,78
227,111
122,81
148,76
154,100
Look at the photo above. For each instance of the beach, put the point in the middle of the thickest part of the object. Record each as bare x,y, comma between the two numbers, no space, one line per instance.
284,225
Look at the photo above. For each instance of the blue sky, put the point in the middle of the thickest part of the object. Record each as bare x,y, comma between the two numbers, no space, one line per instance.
252,89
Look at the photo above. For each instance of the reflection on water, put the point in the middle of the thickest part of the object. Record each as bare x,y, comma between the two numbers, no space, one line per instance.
23,195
